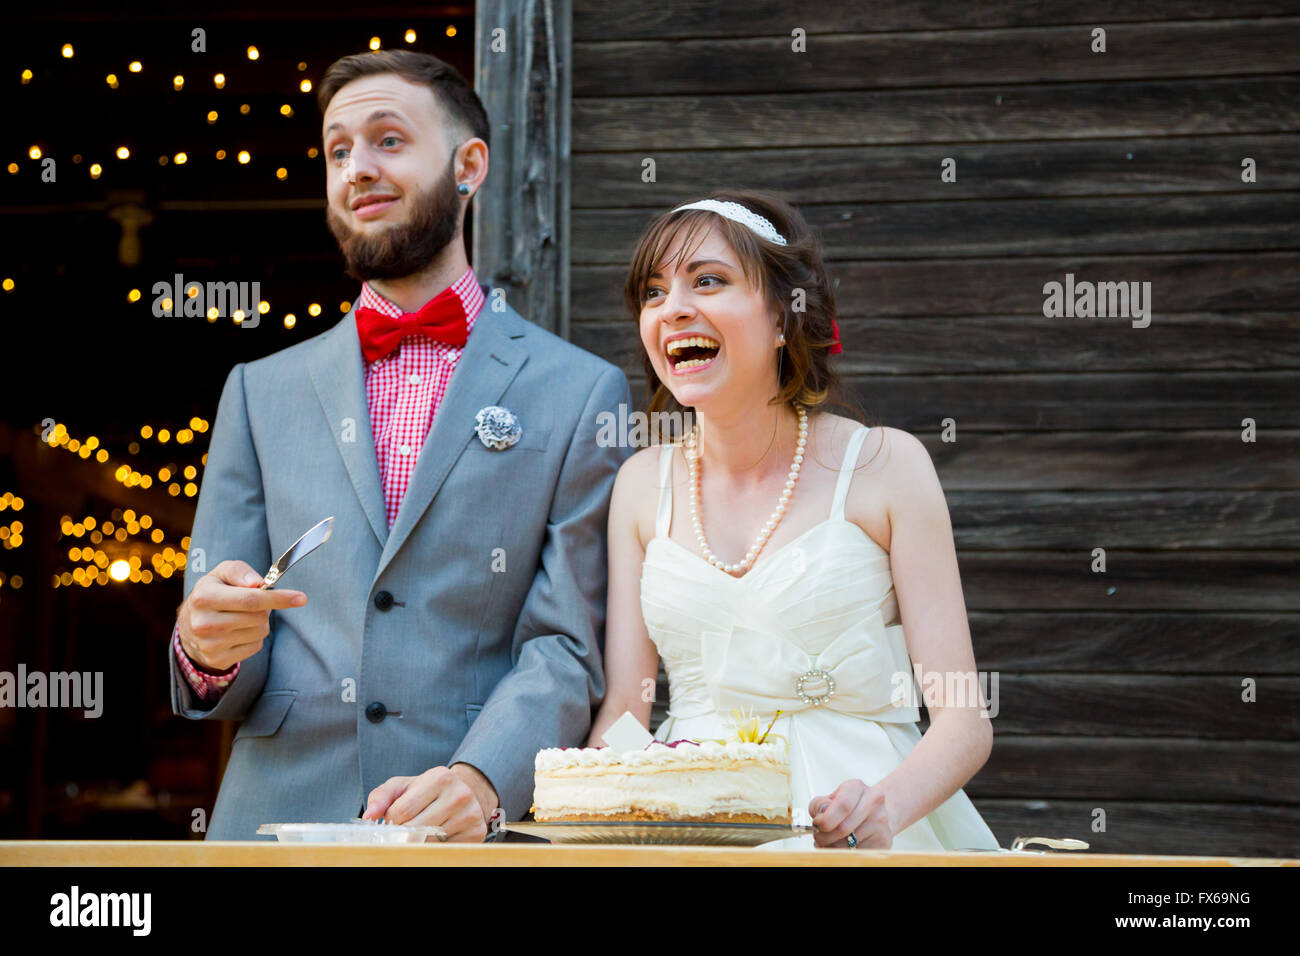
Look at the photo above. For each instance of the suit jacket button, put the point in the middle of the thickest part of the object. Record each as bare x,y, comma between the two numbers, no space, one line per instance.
383,600
376,711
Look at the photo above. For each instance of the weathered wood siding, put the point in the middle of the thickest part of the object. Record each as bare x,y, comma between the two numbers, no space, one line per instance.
1120,691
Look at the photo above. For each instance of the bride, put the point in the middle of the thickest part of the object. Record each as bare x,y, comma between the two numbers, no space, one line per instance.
781,557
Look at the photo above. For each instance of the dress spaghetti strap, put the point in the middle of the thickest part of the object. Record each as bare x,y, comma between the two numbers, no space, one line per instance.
846,473
664,517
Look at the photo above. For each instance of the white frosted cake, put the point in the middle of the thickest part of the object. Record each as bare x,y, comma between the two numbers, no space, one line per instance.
710,782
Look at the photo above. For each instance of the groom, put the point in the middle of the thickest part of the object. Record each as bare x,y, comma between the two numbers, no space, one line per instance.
450,628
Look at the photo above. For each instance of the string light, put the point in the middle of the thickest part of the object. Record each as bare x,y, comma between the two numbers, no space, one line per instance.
100,569
124,474
314,309
244,157
451,30
125,563
12,535
410,36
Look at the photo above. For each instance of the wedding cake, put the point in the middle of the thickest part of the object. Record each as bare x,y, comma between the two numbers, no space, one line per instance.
713,782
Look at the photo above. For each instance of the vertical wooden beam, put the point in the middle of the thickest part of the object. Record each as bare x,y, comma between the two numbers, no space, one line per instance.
521,216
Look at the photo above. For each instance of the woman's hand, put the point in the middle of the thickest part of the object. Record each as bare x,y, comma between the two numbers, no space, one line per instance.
853,808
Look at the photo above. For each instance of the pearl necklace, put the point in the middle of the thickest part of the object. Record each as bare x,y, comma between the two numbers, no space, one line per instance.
692,461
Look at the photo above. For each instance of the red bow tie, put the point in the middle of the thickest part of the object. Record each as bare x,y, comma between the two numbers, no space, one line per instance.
442,319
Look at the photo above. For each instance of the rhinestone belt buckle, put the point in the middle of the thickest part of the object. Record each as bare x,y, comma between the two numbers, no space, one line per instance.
810,676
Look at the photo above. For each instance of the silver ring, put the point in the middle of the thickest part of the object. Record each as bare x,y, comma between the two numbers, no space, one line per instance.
853,842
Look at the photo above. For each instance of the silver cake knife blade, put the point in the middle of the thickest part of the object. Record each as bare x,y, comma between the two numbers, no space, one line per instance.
317,535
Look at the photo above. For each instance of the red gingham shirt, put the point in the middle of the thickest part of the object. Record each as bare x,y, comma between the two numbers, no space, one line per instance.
403,392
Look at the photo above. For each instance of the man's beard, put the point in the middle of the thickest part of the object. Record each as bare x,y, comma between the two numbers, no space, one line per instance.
405,249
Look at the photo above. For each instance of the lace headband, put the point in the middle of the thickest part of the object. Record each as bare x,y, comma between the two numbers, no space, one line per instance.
737,213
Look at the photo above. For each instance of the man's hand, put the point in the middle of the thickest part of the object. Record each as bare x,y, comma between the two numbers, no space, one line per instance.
227,616
458,798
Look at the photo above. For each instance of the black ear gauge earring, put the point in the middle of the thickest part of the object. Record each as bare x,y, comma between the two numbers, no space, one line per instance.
463,189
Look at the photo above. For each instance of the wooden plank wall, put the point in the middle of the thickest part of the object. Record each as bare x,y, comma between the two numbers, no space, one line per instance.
1119,691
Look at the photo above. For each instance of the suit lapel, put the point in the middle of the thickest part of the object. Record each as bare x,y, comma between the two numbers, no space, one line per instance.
488,365
338,374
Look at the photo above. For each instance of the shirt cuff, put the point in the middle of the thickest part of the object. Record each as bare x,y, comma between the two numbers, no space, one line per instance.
206,685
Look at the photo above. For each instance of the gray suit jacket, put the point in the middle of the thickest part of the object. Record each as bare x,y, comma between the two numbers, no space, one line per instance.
491,647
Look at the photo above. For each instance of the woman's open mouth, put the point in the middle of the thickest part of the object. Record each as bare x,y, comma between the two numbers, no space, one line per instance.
693,354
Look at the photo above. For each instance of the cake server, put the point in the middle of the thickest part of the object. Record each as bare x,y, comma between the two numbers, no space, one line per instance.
317,535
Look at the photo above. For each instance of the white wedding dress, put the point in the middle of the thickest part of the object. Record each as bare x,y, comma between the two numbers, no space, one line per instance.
823,602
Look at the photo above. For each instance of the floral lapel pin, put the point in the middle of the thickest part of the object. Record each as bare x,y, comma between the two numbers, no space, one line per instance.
497,427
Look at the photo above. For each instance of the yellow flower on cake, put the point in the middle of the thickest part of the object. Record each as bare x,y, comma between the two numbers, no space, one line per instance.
747,728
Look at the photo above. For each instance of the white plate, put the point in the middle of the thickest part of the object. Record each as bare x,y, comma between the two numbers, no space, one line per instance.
356,831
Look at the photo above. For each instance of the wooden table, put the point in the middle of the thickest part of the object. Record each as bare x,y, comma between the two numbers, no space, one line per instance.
214,853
